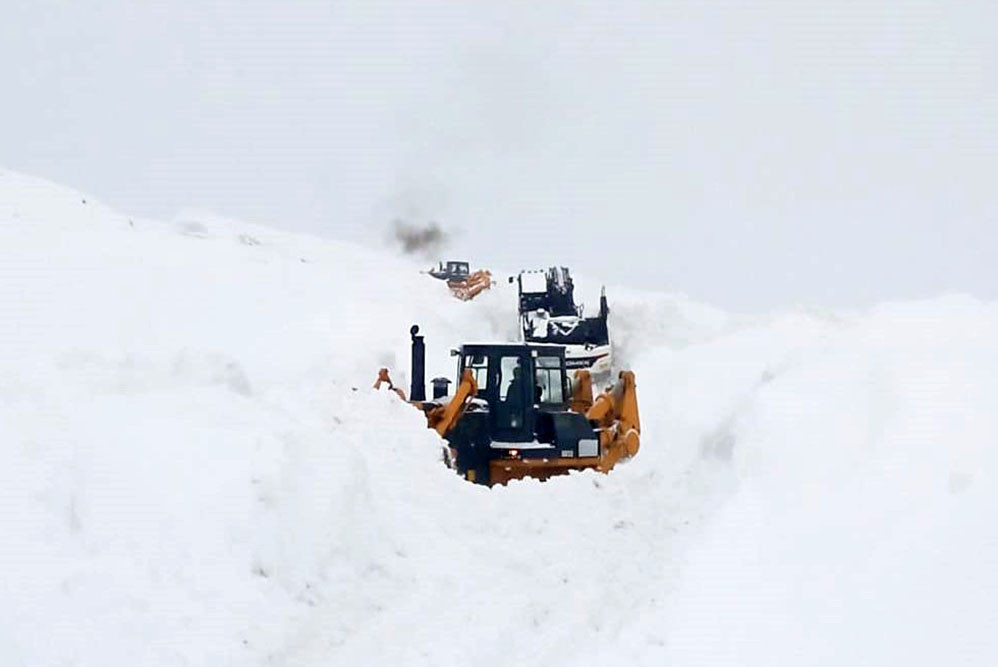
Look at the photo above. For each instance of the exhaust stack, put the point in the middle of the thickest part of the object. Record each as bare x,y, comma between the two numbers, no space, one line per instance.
417,392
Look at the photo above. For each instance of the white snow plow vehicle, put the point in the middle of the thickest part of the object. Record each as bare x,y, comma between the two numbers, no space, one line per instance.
548,314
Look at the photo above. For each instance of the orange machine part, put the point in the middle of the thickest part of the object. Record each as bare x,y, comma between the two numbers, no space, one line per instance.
472,286
383,378
615,413
443,418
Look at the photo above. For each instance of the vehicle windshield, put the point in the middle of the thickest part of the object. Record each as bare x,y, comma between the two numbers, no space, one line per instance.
478,364
533,283
511,380
550,380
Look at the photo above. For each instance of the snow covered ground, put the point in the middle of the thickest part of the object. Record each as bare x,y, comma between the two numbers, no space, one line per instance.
196,471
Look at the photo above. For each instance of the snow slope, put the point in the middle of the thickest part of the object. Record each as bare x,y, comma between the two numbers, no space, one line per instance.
196,471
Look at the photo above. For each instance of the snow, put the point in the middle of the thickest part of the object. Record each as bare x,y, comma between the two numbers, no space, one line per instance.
534,282
196,470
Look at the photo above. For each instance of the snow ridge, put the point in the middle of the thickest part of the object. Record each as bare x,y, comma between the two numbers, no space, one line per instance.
197,472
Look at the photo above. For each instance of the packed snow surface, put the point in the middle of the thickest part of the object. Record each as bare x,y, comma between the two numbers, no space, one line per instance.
197,471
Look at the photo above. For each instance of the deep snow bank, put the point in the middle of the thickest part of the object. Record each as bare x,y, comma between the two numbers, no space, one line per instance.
195,470
861,531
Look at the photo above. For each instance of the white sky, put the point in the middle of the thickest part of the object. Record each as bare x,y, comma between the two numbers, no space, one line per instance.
753,154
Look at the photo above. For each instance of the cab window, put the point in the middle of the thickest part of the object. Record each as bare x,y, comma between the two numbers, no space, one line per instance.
478,364
511,380
550,380
511,408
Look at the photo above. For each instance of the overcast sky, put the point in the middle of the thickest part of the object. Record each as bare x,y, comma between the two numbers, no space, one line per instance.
752,154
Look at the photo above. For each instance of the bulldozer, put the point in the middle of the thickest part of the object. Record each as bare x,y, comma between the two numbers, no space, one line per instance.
462,282
515,413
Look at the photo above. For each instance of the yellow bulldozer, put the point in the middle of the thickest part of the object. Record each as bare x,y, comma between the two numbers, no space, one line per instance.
462,282
515,413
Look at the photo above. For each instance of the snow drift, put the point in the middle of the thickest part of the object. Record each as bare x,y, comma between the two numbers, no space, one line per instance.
196,471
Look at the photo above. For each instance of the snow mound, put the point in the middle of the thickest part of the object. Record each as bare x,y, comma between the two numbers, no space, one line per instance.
196,470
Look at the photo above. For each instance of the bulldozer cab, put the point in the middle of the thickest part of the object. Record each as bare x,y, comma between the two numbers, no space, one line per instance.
451,271
516,381
458,269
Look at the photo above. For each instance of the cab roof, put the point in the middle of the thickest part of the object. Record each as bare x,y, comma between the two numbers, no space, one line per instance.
507,346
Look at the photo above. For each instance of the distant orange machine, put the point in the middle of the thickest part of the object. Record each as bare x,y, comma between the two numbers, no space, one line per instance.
462,283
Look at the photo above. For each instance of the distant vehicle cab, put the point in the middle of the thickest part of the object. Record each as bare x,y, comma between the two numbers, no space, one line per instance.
451,271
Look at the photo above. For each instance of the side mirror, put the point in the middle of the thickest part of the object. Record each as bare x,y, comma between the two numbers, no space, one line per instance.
455,352
511,279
